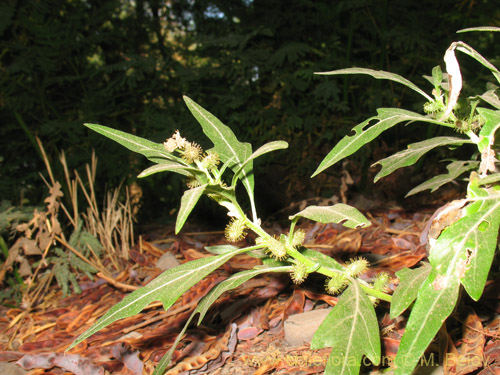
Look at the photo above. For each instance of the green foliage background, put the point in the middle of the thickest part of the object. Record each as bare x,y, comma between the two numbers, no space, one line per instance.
127,64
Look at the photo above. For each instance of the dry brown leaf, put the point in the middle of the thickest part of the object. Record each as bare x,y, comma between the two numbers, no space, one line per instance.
471,351
29,246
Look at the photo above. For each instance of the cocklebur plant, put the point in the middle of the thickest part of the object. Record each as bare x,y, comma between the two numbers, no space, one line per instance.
216,174
462,236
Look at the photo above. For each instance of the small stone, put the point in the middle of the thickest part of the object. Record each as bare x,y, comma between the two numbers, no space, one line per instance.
300,328
7,368
167,261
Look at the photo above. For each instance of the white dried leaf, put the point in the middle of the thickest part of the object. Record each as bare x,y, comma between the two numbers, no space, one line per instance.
454,79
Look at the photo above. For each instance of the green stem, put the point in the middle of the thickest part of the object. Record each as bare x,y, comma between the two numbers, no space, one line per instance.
254,210
291,251
473,137
292,229
375,293
256,228
308,262
329,272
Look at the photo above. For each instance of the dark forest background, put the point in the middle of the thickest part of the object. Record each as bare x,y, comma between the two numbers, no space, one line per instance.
126,64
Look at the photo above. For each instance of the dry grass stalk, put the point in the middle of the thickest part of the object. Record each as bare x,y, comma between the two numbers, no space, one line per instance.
113,227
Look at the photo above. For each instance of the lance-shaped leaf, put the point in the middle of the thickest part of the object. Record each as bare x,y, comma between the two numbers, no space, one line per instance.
264,149
491,125
167,288
230,283
169,166
437,76
225,144
351,330
220,249
468,50
233,282
455,169
338,213
322,259
134,143
188,201
487,140
490,179
435,302
451,257
463,237
165,360
449,247
480,230
410,282
479,28
368,130
380,74
414,152
490,97
163,156
481,248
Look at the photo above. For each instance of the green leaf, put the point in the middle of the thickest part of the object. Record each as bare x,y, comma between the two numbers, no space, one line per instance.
230,283
161,156
479,28
490,97
414,152
481,257
367,131
487,133
168,165
380,74
435,302
207,301
220,249
271,262
338,213
351,330
89,241
188,201
464,237
437,76
165,360
322,259
455,169
490,179
452,256
75,236
479,229
462,253
167,288
225,144
264,149
225,192
410,282
137,144
468,50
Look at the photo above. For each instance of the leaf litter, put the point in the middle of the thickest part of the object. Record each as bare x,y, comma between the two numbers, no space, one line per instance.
243,331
